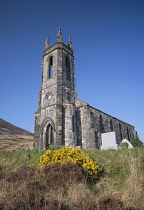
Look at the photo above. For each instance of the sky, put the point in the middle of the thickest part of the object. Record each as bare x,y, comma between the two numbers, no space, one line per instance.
108,44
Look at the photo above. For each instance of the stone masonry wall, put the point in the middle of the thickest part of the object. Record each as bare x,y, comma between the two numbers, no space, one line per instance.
92,122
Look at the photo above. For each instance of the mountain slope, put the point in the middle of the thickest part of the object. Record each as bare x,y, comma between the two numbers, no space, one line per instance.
8,128
13,137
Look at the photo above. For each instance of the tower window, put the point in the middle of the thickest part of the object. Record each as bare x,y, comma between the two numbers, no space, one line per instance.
67,69
50,67
68,96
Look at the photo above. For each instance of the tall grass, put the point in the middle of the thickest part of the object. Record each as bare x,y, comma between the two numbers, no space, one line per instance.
123,175
10,160
121,185
134,190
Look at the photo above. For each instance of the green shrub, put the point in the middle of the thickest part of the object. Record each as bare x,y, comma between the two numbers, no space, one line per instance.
123,145
53,147
137,142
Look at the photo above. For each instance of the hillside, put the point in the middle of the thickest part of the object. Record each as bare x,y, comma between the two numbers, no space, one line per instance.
10,129
26,185
13,137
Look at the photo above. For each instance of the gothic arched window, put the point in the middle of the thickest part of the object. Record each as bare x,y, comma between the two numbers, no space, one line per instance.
101,124
128,135
67,69
50,67
120,130
111,125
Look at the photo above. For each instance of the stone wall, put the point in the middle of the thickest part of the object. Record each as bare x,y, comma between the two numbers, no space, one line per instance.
92,122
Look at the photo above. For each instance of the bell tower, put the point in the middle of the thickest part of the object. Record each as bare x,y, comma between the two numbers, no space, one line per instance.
55,117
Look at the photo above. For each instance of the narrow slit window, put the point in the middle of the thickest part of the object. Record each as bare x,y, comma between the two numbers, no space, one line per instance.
67,69
101,125
68,96
128,135
73,124
111,125
120,129
51,67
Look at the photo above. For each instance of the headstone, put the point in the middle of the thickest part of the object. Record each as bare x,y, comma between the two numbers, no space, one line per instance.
109,141
130,146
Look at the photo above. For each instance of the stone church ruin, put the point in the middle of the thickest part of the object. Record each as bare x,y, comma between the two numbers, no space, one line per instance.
61,118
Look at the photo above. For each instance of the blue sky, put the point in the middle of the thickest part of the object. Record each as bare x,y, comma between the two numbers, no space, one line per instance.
108,43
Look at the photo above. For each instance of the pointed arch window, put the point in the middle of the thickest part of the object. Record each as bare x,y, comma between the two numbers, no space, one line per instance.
101,125
120,130
50,67
128,135
111,125
67,69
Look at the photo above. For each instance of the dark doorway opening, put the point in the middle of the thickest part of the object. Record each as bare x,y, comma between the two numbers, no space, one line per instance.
49,135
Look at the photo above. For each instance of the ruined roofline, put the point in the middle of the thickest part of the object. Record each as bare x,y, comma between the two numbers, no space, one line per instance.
86,104
111,116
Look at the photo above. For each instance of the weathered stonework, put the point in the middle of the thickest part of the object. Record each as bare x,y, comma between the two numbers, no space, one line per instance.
61,119
91,122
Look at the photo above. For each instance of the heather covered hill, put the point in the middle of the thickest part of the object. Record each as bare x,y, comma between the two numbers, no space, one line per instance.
13,137
8,128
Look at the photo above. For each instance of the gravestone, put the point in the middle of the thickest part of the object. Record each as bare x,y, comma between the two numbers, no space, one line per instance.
109,141
130,146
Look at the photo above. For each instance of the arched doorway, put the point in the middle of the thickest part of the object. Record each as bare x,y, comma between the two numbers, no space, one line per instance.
49,135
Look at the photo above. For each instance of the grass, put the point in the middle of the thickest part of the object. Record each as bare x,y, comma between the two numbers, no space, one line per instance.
121,185
123,174
10,160
7,141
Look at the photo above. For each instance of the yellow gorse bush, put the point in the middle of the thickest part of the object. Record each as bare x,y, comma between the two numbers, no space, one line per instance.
74,155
